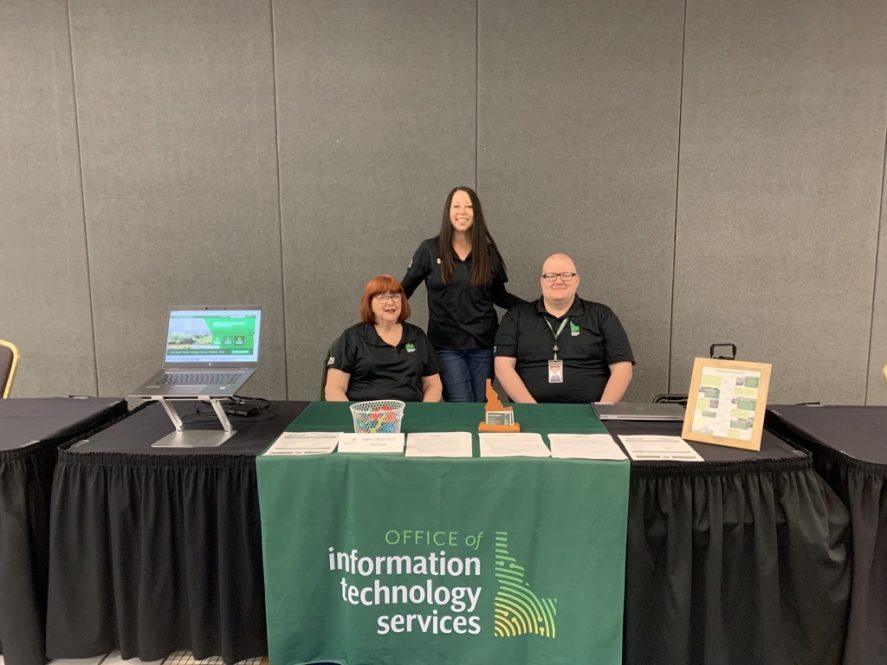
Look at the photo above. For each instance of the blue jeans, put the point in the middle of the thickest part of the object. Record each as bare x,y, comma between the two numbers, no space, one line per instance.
464,374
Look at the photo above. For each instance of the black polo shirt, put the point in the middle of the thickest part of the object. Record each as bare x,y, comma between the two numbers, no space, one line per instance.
381,371
591,341
460,316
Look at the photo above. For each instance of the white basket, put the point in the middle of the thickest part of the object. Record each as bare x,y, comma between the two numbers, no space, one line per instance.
382,416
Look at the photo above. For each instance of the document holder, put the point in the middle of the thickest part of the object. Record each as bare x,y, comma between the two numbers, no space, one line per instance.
497,418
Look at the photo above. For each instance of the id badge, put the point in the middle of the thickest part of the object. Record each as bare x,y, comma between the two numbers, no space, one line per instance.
555,371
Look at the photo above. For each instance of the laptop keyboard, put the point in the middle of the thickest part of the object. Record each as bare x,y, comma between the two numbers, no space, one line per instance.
197,378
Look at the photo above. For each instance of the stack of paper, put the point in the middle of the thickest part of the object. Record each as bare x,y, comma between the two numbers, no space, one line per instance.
646,448
523,444
304,443
585,446
439,444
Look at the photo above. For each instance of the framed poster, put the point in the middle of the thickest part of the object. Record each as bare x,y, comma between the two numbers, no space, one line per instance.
726,403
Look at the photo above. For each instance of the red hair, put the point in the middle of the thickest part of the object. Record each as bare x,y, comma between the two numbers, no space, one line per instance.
382,284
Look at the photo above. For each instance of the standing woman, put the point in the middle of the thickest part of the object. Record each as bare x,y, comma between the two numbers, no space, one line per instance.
465,277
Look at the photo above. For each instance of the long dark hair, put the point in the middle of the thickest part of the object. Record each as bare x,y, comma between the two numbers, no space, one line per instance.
485,258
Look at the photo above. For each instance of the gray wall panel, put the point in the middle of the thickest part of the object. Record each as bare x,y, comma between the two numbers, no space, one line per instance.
781,156
44,303
877,384
376,107
578,127
566,117
177,130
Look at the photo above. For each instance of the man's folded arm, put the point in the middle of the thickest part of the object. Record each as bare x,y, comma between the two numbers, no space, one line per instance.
617,384
506,372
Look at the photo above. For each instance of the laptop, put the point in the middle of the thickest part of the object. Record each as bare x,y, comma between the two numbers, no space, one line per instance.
210,353
639,411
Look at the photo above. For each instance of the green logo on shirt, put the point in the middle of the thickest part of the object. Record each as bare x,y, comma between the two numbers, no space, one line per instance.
409,347
574,329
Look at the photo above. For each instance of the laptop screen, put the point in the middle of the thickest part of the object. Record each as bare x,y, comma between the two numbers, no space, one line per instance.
213,336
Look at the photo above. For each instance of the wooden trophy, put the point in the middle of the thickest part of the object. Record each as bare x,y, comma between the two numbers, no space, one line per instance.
497,418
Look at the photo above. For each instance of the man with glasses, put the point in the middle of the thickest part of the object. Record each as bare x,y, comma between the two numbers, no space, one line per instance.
562,348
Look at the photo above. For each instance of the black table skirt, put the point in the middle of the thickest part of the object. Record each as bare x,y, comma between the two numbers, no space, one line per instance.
31,430
157,550
849,448
742,559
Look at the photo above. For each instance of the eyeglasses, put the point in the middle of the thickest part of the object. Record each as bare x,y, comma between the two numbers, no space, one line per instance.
387,297
567,277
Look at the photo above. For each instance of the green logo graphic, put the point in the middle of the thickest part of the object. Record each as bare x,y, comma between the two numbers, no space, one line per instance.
409,347
516,609
574,329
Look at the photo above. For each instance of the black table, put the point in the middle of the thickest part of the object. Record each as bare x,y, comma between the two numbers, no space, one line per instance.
849,448
740,559
154,550
31,430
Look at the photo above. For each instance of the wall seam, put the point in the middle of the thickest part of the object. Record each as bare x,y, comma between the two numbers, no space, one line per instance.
877,257
476,94
674,245
95,350
286,386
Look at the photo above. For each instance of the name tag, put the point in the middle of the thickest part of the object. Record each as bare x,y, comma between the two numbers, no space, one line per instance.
555,371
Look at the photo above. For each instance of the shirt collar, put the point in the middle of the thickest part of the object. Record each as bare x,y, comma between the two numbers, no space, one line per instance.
410,334
575,308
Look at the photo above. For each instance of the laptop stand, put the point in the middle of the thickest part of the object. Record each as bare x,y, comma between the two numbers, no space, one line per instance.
194,438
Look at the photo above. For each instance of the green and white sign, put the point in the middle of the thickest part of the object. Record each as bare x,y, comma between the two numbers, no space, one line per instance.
384,559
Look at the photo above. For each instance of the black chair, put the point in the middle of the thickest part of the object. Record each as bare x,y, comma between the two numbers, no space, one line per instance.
326,366
680,398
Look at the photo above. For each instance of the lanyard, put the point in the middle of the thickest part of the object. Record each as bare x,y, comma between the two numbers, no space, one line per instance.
560,329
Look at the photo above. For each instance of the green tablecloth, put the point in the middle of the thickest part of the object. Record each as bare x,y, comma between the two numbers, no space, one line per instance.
457,417
385,559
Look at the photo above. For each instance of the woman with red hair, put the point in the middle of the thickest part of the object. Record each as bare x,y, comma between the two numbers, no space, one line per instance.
383,356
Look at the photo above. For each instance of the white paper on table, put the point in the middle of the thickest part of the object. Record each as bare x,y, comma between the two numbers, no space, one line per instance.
585,446
518,444
304,443
371,442
642,447
439,444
